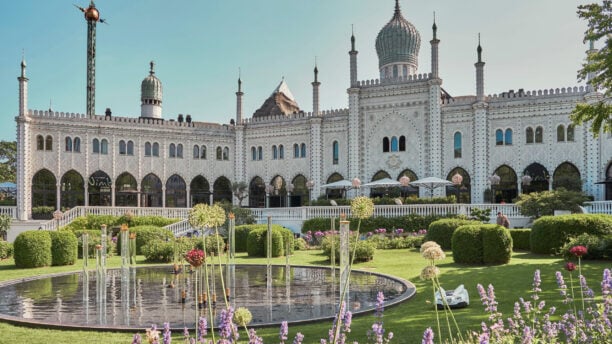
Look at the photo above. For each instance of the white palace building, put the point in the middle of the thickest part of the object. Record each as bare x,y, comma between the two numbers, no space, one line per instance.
402,124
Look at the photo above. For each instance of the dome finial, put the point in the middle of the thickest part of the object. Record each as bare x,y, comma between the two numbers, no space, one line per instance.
479,49
239,81
352,38
23,63
397,8
152,71
434,26
316,71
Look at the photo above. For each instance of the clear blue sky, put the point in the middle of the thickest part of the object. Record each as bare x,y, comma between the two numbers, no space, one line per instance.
198,47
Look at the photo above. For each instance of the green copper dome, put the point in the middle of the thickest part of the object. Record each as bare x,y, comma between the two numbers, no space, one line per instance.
398,41
151,87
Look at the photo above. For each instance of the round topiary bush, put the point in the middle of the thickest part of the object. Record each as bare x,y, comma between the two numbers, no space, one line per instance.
549,233
257,242
64,248
496,244
6,249
441,231
242,235
364,252
467,244
520,239
157,251
144,234
32,249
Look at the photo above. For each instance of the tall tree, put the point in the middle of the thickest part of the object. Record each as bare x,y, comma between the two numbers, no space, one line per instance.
8,161
598,65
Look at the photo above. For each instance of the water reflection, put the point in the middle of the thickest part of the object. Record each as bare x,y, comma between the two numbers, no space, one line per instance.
139,297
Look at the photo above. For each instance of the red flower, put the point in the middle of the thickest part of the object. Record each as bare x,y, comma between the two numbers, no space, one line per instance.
195,257
578,251
569,266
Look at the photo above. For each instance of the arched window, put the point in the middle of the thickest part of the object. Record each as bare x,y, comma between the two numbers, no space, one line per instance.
179,150
77,145
155,149
147,148
529,135
385,144
405,69
539,132
104,146
394,145
122,148
296,150
172,151
303,149
570,133
96,146
130,148
281,152
457,145
259,153
508,138
560,133
395,71
203,152
402,143
196,152
499,137
274,152
226,153
335,152
219,153
40,143
49,143
253,153
68,144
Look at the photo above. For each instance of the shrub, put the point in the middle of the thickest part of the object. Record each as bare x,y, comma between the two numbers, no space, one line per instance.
214,243
64,248
94,238
42,213
156,251
363,253
242,235
32,249
410,223
146,234
441,231
6,250
496,244
597,247
549,233
467,244
257,242
538,204
300,244
520,239
157,221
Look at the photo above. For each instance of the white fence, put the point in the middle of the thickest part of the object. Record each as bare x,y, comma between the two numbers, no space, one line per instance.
10,211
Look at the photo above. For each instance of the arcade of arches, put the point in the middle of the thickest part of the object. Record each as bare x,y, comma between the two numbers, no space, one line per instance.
100,190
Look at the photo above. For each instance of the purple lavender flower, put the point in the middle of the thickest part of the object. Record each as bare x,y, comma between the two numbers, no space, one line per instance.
299,337
227,328
537,281
167,334
527,335
284,331
136,339
253,339
380,301
202,329
348,318
483,338
606,283
186,332
428,336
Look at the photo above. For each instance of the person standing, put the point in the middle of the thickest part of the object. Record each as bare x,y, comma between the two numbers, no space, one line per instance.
502,220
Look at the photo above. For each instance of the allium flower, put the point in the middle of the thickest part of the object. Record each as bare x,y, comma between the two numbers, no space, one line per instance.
195,257
433,253
429,272
362,207
428,244
569,266
319,234
428,336
242,316
578,251
204,215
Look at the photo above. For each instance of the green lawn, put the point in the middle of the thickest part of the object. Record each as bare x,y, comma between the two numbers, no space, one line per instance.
407,321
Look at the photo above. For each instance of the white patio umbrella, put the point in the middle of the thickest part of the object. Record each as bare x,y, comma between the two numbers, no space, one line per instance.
341,184
382,183
431,183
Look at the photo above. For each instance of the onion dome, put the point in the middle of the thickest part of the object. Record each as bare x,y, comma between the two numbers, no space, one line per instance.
398,42
280,102
151,87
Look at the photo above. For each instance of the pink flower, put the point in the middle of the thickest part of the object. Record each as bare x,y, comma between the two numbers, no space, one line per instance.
569,266
578,251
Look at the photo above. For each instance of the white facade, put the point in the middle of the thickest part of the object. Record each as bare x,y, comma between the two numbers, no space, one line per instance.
405,125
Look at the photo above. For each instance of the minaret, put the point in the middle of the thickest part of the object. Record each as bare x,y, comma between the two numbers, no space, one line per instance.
434,50
151,94
239,95
23,89
353,59
479,74
315,92
591,75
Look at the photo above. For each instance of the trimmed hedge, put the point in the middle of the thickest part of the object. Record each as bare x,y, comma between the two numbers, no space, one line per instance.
64,248
520,239
6,250
158,251
95,221
496,244
144,234
257,242
549,233
597,247
478,244
364,252
441,231
242,235
467,245
410,223
32,249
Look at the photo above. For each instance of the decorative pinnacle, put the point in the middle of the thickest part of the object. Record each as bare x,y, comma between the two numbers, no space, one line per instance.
23,64
434,26
397,9
152,71
239,81
352,38
479,49
316,71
